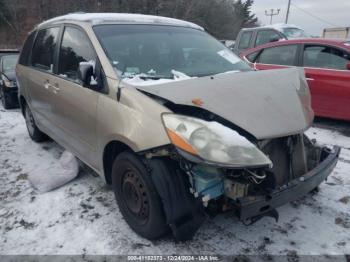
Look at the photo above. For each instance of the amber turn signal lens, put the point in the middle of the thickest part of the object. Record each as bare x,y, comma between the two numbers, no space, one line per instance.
180,142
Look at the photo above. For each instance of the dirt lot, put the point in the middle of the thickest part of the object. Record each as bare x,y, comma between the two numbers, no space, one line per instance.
83,218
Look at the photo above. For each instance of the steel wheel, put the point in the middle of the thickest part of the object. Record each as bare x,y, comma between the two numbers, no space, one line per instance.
135,196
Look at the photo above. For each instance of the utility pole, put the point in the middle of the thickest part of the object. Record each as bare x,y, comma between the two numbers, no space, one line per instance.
272,13
288,8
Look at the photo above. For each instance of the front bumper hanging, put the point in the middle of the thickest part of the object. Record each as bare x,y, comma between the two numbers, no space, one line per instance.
254,206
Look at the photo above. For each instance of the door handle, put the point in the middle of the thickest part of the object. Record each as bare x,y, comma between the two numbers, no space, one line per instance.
56,88
47,84
309,79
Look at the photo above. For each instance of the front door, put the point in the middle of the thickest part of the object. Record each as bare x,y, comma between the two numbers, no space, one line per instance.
76,106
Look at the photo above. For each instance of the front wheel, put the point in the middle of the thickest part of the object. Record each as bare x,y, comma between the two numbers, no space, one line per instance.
34,132
137,197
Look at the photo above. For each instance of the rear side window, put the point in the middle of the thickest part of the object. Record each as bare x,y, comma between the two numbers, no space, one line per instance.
75,48
325,57
44,49
280,55
266,36
245,40
24,57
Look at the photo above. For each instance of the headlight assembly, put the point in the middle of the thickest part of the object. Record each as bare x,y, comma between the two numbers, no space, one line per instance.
213,142
7,82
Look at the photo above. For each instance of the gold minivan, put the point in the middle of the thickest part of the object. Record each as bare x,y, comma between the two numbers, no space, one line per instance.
176,123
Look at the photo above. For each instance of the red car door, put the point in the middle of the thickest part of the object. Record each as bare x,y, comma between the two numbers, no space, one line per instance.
329,80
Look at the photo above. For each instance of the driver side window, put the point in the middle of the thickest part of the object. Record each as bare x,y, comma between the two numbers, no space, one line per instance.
75,48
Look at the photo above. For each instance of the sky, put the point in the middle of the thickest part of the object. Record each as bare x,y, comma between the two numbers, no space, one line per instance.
312,15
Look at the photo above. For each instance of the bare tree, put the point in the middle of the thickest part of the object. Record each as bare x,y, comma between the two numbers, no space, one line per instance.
221,18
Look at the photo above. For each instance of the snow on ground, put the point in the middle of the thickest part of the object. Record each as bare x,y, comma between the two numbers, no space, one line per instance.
83,218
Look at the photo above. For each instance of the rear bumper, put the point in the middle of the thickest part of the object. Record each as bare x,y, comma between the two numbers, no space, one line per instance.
252,206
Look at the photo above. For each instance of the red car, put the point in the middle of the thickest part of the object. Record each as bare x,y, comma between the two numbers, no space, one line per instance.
327,70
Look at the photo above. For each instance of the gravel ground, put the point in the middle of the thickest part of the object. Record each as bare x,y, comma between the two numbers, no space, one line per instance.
83,218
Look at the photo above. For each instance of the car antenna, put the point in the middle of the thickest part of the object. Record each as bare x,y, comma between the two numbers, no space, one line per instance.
119,89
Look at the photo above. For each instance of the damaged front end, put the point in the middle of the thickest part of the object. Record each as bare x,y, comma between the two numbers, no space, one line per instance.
198,187
299,166
241,149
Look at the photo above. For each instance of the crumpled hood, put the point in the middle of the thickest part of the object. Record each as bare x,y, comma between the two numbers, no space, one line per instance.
266,104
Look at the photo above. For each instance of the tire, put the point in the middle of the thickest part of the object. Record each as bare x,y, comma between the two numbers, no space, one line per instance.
35,134
5,100
137,197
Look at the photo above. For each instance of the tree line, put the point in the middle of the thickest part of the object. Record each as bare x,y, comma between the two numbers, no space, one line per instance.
221,18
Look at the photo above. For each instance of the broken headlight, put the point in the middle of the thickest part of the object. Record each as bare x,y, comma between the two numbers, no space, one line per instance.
213,142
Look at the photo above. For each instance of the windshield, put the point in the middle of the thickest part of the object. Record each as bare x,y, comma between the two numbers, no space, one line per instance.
9,63
294,33
159,51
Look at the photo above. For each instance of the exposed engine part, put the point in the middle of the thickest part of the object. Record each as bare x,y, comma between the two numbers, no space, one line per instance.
290,157
207,182
235,189
255,178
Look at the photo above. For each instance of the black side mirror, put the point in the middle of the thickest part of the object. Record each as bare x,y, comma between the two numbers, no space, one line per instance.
85,72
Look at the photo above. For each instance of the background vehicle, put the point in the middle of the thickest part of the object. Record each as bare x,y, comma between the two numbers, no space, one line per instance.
8,85
252,37
171,118
327,69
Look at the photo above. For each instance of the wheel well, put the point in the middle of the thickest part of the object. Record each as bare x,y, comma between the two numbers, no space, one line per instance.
111,151
22,103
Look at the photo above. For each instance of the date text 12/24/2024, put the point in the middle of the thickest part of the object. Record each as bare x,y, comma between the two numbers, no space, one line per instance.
174,258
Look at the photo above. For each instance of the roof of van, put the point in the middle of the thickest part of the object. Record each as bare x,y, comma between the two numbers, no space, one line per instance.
122,18
278,27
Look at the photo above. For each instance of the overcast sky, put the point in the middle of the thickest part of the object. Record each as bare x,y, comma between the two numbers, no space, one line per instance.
329,13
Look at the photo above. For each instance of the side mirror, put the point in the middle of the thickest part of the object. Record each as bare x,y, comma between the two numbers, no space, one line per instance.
348,66
85,73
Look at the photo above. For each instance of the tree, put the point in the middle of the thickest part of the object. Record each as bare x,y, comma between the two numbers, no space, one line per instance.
11,14
221,18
